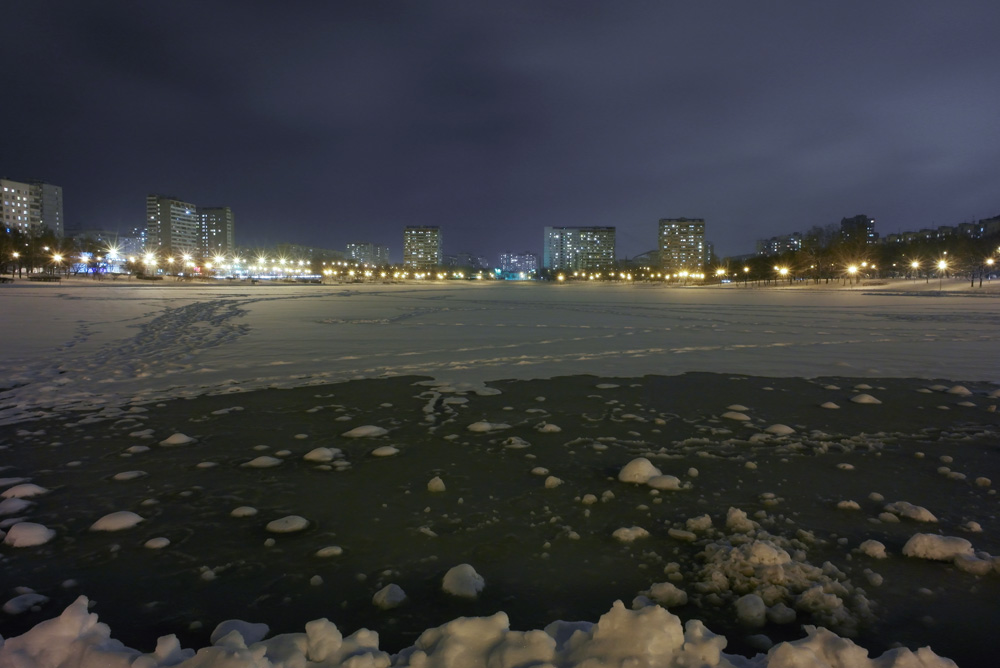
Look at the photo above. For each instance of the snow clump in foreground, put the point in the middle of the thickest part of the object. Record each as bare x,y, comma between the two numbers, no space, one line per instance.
28,534
463,581
650,636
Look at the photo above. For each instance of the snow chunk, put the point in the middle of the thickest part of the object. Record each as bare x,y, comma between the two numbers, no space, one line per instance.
435,484
910,511
157,543
548,428
389,597
665,482
463,581
129,475
24,491
263,462
629,534
321,455
639,471
736,520
385,451
780,430
873,549
829,405
23,603
736,415
365,431
28,534
483,427
329,551
959,390
288,524
14,506
938,548
177,439
864,399
606,386
249,633
751,610
117,521
243,511
666,594
737,407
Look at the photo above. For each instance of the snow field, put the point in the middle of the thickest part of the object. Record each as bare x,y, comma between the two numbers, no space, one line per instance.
717,537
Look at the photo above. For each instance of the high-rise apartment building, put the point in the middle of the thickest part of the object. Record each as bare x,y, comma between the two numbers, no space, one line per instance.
859,229
682,244
31,205
518,263
47,206
218,230
422,247
15,207
174,226
368,253
579,248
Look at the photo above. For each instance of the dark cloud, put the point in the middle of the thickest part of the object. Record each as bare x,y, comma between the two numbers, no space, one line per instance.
325,123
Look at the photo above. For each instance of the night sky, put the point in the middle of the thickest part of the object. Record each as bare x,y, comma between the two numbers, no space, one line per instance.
323,123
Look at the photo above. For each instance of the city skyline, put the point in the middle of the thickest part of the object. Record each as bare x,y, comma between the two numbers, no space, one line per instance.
495,122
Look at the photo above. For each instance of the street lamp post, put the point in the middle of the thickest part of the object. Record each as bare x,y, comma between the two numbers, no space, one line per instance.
942,266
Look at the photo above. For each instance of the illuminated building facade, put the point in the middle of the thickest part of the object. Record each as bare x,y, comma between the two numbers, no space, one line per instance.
30,206
422,247
682,244
579,248
368,253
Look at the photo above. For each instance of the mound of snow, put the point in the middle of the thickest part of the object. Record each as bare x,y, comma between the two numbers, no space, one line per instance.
463,581
829,405
629,534
329,551
639,471
937,548
666,594
177,439
129,475
248,632
365,431
23,603
157,543
650,636
959,390
736,415
321,455
262,462
435,484
288,524
873,549
864,399
665,482
483,426
117,521
548,428
389,597
28,534
385,451
243,511
24,491
14,506
911,512
779,430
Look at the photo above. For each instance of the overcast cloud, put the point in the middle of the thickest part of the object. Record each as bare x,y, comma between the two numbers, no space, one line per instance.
327,123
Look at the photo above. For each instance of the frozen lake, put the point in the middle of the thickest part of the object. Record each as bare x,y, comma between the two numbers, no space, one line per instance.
509,413
93,345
